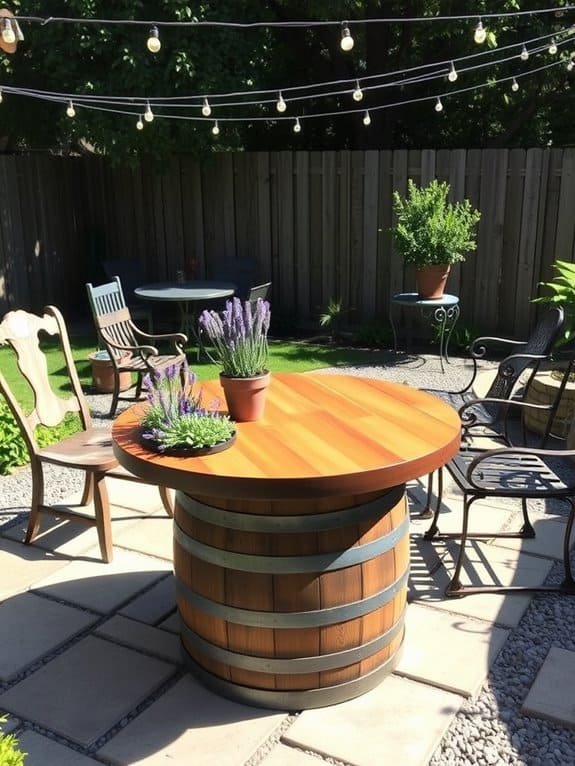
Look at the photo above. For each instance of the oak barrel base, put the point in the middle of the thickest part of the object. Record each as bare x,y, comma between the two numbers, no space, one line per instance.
292,604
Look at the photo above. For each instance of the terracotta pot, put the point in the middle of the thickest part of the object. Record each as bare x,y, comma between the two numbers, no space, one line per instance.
103,373
431,280
245,397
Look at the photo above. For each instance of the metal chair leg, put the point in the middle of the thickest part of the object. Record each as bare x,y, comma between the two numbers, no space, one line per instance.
433,530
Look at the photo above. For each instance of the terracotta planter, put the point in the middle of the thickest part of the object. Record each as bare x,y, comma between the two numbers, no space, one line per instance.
103,373
245,397
431,280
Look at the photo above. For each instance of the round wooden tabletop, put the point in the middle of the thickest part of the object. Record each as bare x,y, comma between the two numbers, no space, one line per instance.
321,435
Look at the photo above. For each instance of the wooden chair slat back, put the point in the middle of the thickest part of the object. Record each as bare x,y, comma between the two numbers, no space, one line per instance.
111,315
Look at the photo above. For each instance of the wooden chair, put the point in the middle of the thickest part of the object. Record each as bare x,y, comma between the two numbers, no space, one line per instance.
521,472
131,274
90,450
130,348
259,291
487,417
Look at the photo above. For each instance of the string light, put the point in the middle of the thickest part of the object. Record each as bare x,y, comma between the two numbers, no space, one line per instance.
346,42
8,34
452,76
206,108
570,66
148,114
216,129
154,43
1,96
514,85
140,124
524,55
357,93
553,47
438,105
281,105
70,111
366,119
480,33
297,126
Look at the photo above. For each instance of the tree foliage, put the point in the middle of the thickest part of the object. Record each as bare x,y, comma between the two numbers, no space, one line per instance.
113,60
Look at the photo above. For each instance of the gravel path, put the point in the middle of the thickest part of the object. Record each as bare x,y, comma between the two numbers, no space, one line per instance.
488,729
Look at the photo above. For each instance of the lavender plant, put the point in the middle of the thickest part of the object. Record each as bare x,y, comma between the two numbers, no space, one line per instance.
176,416
239,337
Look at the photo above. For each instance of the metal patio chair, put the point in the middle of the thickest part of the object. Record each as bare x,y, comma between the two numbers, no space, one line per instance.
89,450
130,349
487,417
259,291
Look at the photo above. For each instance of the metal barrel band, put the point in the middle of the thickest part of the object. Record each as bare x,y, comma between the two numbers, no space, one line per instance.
293,665
293,700
316,522
321,562
310,619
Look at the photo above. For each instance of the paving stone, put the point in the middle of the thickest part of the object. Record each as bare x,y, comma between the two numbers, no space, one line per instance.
438,647
140,636
551,695
288,756
190,725
87,689
172,623
104,587
24,565
46,752
399,722
21,641
152,535
155,604
548,540
10,724
485,564
491,518
142,497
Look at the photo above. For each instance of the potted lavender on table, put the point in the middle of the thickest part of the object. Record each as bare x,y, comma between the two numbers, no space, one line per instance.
238,336
176,421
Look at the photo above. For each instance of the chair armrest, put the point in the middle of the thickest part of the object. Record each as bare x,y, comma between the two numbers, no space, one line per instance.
177,338
478,347
148,350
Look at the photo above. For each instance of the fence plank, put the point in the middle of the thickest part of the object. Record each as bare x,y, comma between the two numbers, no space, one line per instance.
302,235
370,210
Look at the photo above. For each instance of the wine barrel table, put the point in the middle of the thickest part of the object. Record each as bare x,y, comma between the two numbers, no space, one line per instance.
291,548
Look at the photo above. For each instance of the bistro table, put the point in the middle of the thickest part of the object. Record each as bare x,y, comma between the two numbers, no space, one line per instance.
186,294
291,548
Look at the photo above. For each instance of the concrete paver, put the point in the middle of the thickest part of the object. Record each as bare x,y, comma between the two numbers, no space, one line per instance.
551,695
23,565
139,636
104,587
438,646
189,724
289,756
400,721
155,605
42,751
152,535
87,689
20,640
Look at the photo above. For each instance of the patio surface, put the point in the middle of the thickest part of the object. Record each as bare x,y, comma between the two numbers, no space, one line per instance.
90,668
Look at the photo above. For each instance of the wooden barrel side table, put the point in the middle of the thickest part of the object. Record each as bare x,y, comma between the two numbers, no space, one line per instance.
291,549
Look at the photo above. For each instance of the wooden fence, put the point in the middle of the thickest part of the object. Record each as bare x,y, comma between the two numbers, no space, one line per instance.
316,222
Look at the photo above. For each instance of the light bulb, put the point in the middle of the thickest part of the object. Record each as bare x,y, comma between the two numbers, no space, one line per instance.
148,114
216,129
553,48
366,119
346,41
154,43
514,85
438,105
8,34
140,124
452,76
524,55
1,97
70,111
206,108
297,126
281,105
570,66
480,33
357,93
